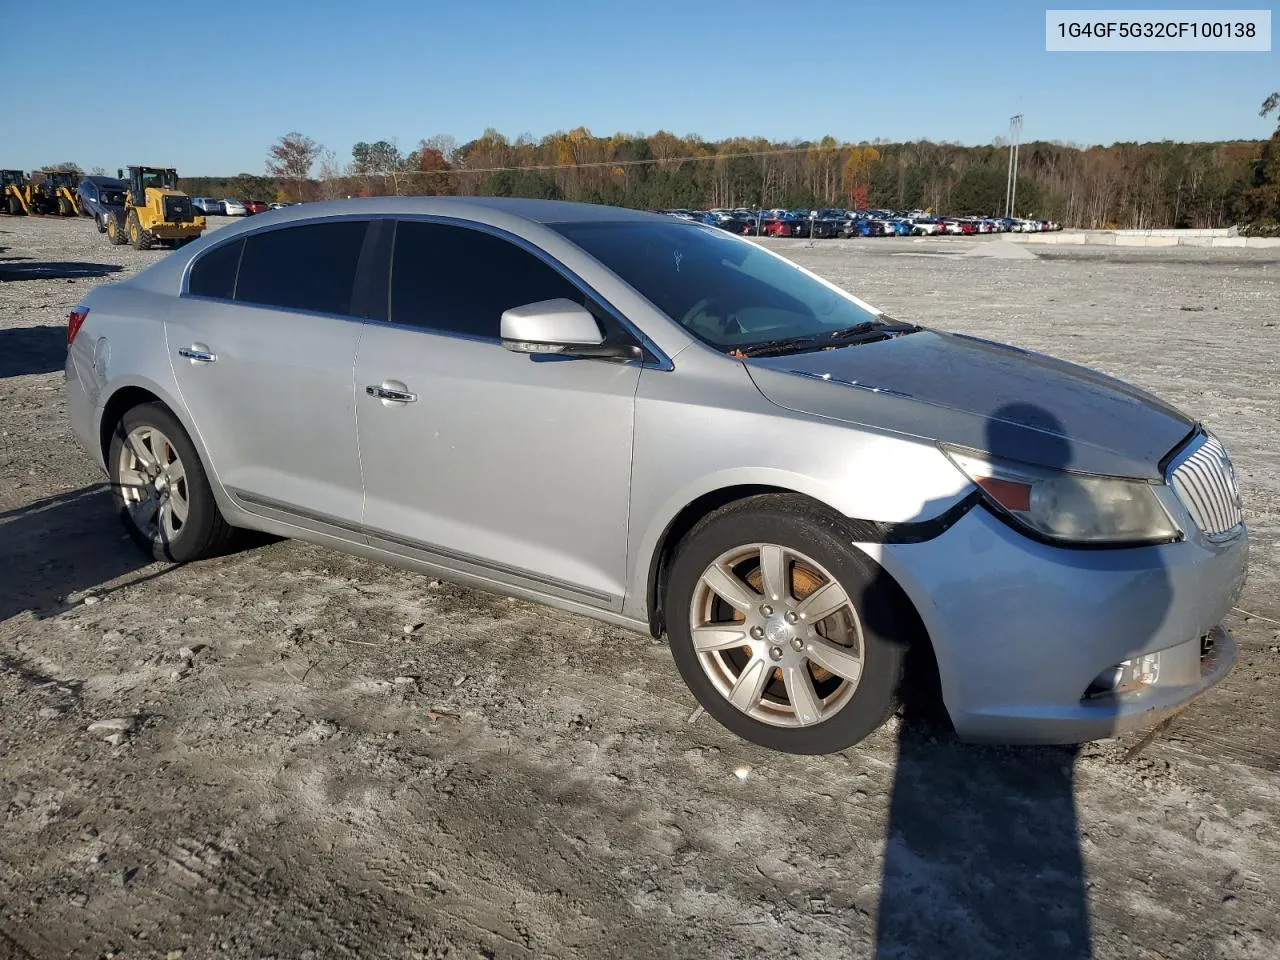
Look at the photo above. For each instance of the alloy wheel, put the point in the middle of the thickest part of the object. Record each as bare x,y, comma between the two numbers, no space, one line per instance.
153,483
777,635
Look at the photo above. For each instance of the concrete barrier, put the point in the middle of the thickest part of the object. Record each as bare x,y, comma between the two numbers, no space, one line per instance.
1150,238
1180,232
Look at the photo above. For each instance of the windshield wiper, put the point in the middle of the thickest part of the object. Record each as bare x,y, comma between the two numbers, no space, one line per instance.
869,331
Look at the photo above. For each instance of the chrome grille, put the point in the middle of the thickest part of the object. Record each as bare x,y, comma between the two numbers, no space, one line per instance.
1206,484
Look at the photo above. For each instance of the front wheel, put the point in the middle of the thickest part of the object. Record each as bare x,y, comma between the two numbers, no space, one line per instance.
161,490
115,231
140,238
787,635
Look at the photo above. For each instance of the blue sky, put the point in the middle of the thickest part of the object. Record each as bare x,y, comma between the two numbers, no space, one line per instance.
226,78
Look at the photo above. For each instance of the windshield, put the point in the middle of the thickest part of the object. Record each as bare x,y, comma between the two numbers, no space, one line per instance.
159,179
112,196
726,292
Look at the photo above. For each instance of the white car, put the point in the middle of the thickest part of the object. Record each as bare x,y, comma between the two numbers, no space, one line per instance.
234,208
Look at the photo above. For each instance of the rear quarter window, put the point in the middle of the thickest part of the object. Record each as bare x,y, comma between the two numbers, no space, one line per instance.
214,274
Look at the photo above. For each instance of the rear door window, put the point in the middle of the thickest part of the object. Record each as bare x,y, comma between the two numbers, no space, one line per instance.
308,267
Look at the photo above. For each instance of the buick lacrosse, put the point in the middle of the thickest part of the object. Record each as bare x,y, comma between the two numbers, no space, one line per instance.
675,430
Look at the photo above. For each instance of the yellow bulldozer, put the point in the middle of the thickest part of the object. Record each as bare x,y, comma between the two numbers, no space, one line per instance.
15,194
155,210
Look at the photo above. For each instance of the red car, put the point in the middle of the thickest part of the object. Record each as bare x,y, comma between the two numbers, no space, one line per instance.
778,228
255,206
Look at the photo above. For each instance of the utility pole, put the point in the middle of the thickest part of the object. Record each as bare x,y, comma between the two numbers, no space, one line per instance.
1011,186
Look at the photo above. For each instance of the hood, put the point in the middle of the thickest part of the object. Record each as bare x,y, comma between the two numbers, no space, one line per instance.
962,390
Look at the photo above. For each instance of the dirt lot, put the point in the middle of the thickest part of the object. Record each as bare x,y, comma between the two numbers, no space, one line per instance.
328,758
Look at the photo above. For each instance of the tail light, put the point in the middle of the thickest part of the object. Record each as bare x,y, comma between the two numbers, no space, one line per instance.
75,320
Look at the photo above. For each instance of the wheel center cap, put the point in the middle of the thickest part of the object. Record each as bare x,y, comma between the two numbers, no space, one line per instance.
778,631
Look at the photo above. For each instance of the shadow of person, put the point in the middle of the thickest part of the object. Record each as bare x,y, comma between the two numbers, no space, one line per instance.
59,546
982,855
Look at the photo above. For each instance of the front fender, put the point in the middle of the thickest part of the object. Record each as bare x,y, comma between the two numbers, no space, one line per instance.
918,486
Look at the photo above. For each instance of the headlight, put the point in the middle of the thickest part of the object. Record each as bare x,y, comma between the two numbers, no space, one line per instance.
1068,507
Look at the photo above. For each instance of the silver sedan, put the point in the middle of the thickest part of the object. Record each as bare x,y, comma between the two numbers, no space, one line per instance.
675,430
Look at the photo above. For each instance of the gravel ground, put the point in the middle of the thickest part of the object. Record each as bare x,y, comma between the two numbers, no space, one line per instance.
313,756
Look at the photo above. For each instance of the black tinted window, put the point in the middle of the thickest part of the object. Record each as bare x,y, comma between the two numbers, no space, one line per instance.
214,274
461,280
311,267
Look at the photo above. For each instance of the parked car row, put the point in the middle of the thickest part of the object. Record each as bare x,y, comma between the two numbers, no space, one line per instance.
230,207
834,222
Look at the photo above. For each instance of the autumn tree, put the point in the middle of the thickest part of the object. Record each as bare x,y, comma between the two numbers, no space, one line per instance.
856,173
432,173
1271,103
291,159
1260,201
382,160
246,186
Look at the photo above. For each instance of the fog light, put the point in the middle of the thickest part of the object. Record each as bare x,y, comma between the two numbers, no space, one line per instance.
1127,676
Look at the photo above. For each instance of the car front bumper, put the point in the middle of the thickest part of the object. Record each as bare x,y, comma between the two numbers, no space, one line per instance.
1023,631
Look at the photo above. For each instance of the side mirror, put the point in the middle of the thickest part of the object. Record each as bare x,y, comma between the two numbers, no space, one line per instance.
559,327
119,173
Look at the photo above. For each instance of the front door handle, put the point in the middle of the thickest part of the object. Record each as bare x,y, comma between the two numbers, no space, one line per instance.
197,353
391,394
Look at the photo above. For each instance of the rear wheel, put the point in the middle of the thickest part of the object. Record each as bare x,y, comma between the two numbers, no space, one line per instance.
786,634
141,239
65,208
161,490
15,205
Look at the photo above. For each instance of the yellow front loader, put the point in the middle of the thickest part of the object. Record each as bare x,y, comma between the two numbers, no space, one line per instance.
15,195
154,210
54,192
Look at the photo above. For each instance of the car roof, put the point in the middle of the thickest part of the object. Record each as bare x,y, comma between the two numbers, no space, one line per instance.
472,208
516,214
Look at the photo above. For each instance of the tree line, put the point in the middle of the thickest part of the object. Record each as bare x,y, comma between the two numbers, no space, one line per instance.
1124,185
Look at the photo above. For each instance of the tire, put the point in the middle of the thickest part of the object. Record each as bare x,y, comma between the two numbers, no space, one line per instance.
115,231
65,208
141,239
160,488
100,223
831,709
15,205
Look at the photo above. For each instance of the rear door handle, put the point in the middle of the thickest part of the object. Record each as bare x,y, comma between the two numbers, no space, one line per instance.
387,393
197,353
